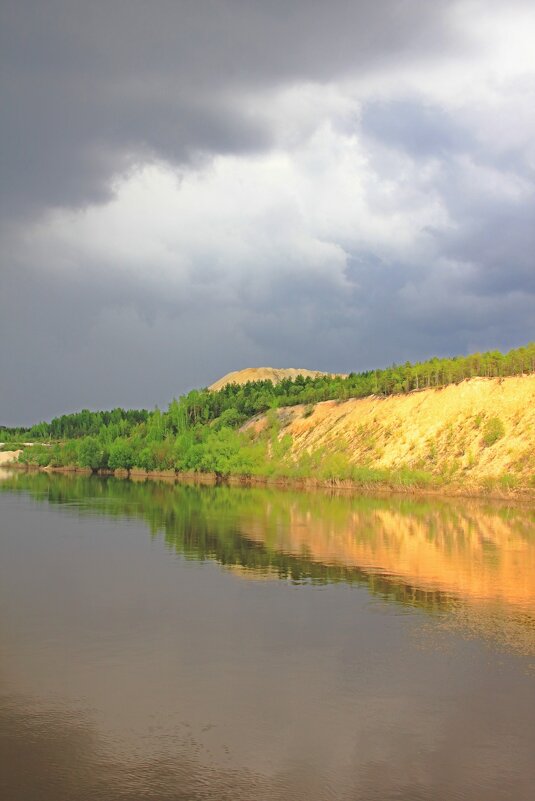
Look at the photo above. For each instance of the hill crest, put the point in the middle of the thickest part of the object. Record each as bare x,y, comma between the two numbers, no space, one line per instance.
274,374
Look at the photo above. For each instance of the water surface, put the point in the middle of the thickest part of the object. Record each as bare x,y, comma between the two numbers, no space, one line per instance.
170,642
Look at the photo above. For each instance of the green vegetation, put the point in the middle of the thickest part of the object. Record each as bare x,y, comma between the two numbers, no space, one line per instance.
79,424
493,431
201,430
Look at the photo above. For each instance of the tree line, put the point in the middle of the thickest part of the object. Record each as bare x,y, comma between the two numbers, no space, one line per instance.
235,403
80,424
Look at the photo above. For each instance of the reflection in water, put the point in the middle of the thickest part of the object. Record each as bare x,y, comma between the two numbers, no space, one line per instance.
435,554
127,674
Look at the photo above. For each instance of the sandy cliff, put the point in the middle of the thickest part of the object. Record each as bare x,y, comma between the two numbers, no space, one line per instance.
443,431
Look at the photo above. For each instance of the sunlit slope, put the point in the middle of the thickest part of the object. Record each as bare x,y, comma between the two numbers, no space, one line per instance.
480,428
264,374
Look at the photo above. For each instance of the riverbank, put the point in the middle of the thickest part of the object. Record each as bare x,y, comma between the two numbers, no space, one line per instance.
489,491
472,439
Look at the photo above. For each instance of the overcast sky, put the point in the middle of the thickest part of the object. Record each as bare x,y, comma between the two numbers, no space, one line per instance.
198,186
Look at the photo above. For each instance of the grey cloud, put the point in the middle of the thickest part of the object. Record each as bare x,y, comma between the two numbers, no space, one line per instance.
101,341
421,129
389,312
501,245
90,89
96,344
493,233
484,258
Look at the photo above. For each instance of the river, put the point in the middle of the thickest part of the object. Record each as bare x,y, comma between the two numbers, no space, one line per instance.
166,642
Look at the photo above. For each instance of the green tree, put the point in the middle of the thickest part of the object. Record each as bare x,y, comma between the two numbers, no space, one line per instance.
121,455
91,454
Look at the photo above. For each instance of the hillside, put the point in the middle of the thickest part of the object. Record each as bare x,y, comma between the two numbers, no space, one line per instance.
274,374
470,432
460,424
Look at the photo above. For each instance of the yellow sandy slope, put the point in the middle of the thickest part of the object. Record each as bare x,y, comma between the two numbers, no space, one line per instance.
437,430
263,374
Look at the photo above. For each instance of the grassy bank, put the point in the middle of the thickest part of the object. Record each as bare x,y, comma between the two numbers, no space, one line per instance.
358,480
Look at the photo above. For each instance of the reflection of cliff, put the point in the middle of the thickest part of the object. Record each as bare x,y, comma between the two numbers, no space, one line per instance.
473,554
474,562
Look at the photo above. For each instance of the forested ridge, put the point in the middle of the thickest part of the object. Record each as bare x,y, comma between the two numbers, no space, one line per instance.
200,430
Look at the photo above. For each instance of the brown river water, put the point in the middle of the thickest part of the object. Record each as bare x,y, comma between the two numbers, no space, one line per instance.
163,642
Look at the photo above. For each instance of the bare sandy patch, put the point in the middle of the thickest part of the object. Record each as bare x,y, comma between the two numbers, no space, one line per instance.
7,457
273,374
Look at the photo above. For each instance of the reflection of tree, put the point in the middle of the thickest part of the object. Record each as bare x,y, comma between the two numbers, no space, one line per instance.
413,551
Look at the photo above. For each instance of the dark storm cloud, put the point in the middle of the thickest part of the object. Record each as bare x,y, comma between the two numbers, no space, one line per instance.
487,250
100,349
89,343
501,245
90,89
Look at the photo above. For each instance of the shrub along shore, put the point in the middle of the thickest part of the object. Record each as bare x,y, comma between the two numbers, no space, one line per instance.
375,482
